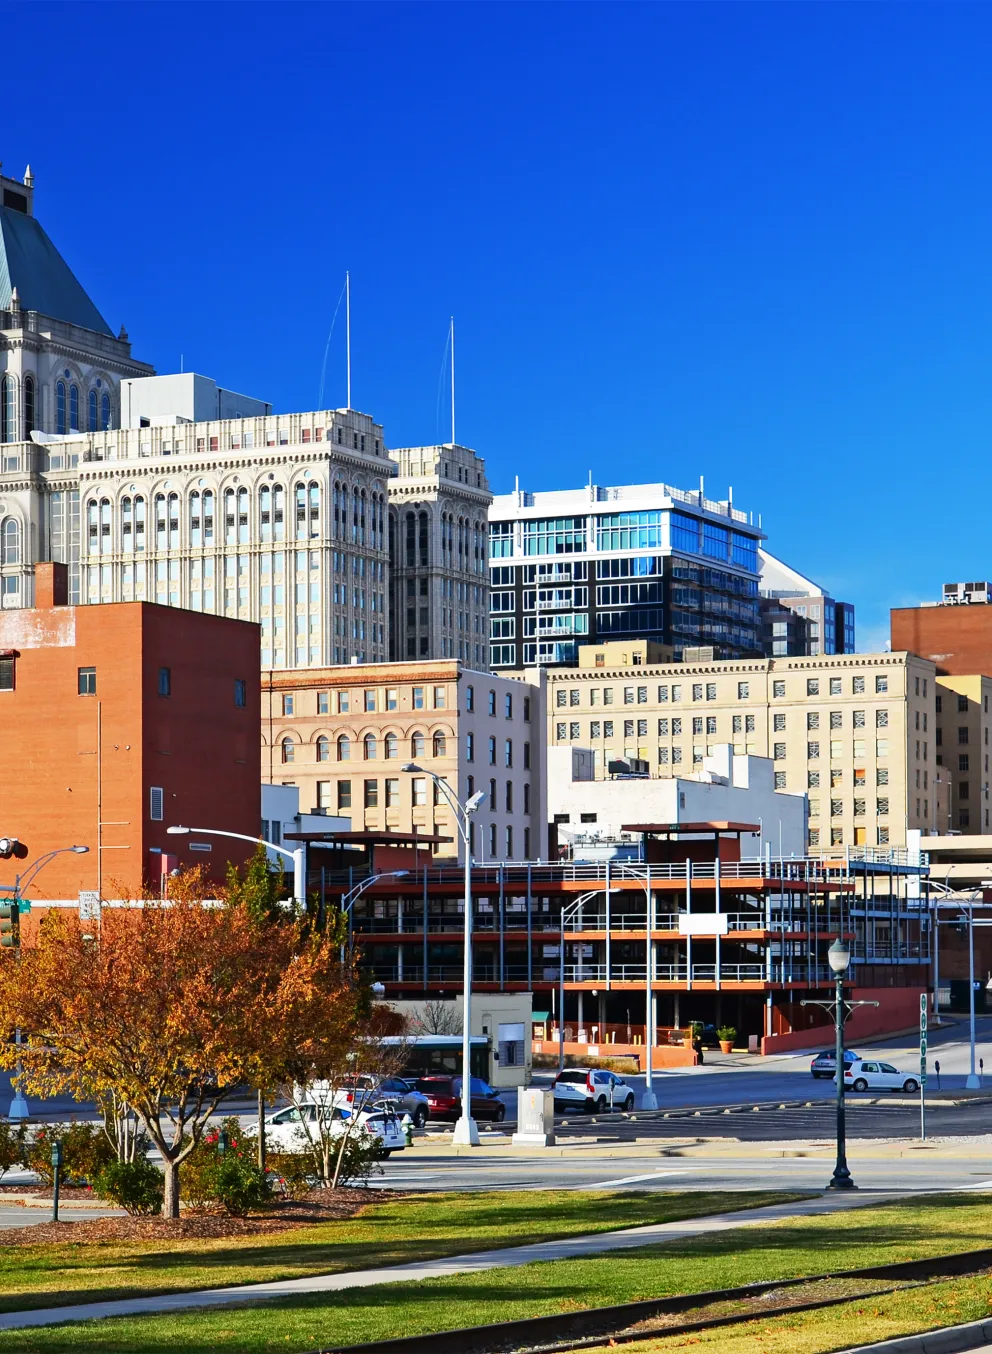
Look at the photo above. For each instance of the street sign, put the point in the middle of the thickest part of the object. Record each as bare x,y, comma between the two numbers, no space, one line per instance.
89,905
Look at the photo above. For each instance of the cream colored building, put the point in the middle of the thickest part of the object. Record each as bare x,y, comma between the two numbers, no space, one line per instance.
344,734
856,732
962,753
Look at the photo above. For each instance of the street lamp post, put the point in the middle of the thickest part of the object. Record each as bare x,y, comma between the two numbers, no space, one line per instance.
466,1131
349,899
839,957
19,1105
299,883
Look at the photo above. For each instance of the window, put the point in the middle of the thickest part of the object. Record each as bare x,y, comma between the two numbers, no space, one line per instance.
165,681
962,705
288,705
836,719
963,762
527,756
608,695
881,719
742,691
561,732
881,683
964,817
778,689
560,696
492,750
492,703
676,694
676,728
508,752
836,836
390,746
814,836
779,780
858,686
812,686
419,785
963,733
470,698
628,695
964,789
881,747
440,745
6,674
439,697
813,780
710,725
508,703
663,693
574,731
835,689
418,697
814,808
369,744
812,751
859,808
344,748
370,700
595,729
392,698
711,691
344,794
343,703
323,749
240,692
288,750
392,794
737,724
749,723
697,724
779,752
697,691
469,746
813,720
883,836
607,728
778,722
371,794
642,695
156,803
86,681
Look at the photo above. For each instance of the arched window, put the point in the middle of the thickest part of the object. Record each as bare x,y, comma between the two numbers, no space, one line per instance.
139,523
60,426
411,540
195,519
323,749
127,525
93,526
440,745
278,513
417,745
10,542
173,521
208,516
30,405
160,522
370,747
423,539
314,495
288,750
265,513
344,748
230,518
492,796
243,516
8,410
105,546
74,408
391,746
356,500
301,512
93,411
105,412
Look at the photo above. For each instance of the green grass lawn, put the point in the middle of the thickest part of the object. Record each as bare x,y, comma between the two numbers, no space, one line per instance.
874,1235
389,1233
851,1324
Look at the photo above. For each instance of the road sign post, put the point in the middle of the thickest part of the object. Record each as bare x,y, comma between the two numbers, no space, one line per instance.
923,1067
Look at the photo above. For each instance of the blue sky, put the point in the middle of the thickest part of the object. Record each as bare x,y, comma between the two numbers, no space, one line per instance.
745,241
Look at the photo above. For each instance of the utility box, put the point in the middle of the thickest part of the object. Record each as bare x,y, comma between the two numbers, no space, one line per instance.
535,1117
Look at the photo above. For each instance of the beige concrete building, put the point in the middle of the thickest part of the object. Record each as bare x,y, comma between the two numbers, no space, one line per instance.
962,753
344,734
857,732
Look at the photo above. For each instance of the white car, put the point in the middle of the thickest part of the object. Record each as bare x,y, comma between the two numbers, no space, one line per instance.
867,1074
587,1088
285,1132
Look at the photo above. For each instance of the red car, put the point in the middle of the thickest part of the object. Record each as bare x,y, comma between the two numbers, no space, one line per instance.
444,1098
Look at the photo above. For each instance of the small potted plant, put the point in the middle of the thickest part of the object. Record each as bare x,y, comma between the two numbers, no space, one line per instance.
726,1035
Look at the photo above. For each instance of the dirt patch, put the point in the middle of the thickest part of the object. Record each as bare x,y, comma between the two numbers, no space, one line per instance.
320,1205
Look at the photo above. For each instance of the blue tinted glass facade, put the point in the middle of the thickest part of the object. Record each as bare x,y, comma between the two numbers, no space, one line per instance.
629,531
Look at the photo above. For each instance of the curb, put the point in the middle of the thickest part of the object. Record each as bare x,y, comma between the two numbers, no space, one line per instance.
950,1340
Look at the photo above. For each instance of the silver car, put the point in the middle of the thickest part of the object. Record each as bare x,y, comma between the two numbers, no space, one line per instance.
363,1092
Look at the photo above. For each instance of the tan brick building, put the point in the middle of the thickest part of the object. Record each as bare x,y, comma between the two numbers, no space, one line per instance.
856,732
343,735
962,752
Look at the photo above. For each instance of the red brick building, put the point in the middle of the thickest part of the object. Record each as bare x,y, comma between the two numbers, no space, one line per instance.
958,639
115,722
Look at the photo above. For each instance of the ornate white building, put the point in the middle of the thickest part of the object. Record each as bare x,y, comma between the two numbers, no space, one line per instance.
438,547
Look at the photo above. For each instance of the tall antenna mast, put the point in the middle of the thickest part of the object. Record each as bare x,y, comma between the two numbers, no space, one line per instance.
452,380
347,292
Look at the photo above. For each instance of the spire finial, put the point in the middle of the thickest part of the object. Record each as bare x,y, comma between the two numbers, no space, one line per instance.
28,178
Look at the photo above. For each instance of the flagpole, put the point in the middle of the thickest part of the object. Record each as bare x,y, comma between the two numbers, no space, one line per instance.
452,380
347,288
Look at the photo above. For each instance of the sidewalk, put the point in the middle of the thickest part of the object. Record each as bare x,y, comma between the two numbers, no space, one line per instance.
568,1249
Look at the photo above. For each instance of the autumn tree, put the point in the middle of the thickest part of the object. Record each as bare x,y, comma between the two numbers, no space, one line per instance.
172,1006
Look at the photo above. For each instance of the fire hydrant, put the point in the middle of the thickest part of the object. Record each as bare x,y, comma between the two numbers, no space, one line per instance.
407,1125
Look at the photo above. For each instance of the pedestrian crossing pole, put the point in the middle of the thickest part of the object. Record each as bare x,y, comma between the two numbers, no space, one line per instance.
923,1067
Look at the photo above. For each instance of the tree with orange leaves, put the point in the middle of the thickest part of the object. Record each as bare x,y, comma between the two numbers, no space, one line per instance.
172,1006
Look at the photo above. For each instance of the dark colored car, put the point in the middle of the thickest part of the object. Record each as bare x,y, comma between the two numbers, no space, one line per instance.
444,1098
825,1064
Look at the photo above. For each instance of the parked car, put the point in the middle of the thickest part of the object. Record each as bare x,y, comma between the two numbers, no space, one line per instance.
285,1132
399,1094
825,1063
444,1098
589,1089
869,1075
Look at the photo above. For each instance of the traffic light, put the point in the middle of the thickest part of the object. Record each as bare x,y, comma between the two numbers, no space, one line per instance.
10,924
10,846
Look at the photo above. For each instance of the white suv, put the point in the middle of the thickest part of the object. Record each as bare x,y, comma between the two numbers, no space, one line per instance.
589,1089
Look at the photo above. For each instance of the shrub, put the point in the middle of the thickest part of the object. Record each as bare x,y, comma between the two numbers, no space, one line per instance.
359,1160
12,1147
296,1172
86,1151
726,1034
230,1178
136,1186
